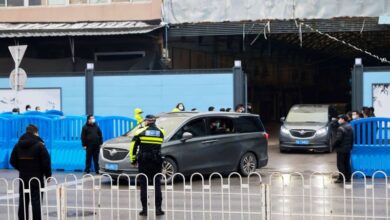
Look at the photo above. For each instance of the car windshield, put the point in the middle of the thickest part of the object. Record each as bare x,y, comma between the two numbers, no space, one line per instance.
308,114
169,124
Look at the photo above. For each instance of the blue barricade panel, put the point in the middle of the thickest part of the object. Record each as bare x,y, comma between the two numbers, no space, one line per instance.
115,126
67,152
371,150
4,137
62,135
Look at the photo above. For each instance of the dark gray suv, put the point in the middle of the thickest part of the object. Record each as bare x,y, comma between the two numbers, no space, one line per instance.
197,142
308,126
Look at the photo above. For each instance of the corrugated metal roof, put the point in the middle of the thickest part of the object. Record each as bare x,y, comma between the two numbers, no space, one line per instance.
277,27
10,30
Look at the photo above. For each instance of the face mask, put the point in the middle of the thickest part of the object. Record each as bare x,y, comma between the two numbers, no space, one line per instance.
93,121
340,122
354,117
181,108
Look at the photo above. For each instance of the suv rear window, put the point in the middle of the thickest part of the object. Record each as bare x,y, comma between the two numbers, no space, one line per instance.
220,125
247,124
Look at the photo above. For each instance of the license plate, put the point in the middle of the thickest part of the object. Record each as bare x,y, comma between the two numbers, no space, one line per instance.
302,142
111,166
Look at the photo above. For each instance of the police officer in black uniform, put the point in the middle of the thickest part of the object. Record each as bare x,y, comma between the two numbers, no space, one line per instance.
343,146
148,139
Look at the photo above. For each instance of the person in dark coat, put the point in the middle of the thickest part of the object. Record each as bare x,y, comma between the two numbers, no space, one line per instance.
31,158
92,139
343,145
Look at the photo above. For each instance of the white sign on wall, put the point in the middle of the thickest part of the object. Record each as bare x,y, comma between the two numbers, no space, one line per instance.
381,99
45,98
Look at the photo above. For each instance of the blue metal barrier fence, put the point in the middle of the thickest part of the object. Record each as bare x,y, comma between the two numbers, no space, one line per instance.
371,149
62,136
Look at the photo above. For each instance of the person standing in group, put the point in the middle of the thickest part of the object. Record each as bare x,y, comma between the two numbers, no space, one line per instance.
343,146
92,139
240,108
38,109
211,109
31,158
147,142
249,108
355,115
365,112
179,108
28,108
138,115
372,111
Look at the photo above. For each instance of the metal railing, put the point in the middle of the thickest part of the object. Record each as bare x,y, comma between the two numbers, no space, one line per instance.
274,196
44,3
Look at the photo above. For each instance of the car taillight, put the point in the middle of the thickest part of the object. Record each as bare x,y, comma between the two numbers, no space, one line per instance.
266,136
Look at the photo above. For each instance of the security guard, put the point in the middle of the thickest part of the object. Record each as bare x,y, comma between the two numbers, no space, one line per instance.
343,145
138,116
148,139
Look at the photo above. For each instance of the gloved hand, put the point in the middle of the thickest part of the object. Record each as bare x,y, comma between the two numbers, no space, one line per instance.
133,162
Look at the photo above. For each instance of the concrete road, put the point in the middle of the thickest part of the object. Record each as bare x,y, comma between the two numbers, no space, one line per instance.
289,196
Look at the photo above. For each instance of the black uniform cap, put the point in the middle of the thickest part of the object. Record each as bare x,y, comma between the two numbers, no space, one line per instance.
150,117
343,116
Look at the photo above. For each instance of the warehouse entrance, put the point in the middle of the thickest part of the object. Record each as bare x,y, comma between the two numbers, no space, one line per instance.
282,70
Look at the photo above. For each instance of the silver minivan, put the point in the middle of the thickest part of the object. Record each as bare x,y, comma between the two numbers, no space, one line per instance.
197,142
307,127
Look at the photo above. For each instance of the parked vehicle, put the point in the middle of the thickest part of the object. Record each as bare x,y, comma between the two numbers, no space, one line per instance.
308,127
197,142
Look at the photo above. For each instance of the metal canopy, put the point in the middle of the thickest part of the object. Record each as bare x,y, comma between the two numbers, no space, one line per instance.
276,26
12,30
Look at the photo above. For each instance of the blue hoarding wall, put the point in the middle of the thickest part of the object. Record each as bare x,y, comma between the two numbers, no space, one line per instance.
154,93
119,95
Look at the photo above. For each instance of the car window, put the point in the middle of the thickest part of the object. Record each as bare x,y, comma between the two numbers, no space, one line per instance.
219,125
307,114
248,124
196,128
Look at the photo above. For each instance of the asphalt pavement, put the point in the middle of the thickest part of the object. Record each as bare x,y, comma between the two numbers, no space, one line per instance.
274,192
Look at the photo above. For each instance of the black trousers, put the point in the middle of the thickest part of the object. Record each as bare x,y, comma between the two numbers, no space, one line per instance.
150,170
24,200
344,165
92,152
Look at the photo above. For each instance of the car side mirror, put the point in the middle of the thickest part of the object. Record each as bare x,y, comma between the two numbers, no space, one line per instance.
186,136
282,119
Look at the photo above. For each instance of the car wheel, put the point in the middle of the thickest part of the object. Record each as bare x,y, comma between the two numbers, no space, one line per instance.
248,164
169,168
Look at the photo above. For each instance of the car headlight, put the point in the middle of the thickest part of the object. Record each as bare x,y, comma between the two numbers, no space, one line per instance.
284,130
322,131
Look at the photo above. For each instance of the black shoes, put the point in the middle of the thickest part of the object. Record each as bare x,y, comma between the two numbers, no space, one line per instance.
159,212
143,213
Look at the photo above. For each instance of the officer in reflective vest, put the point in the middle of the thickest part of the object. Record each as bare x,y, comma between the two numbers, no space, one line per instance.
147,141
